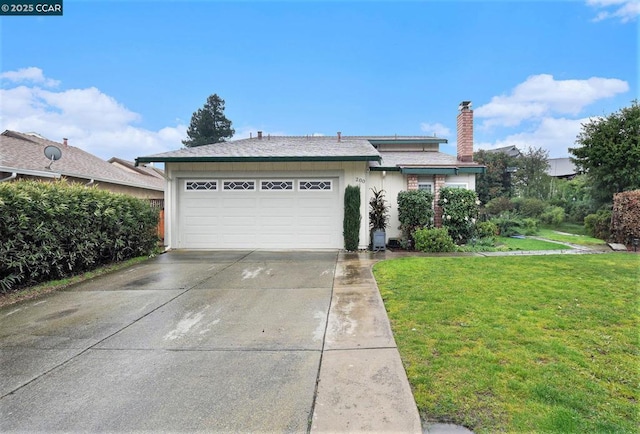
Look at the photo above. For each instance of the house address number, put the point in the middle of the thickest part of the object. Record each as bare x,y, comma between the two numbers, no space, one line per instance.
360,180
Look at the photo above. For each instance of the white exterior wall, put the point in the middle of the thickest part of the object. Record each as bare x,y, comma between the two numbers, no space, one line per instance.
348,173
395,182
392,183
469,179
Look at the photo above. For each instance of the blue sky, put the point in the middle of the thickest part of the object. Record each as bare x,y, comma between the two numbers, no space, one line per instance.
122,78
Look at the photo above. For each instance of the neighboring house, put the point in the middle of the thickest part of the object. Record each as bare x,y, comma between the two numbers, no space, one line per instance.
561,168
269,192
22,157
511,151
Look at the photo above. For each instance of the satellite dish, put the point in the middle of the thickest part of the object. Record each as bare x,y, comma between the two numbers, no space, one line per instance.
53,153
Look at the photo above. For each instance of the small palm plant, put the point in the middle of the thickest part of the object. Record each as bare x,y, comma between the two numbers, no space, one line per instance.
378,216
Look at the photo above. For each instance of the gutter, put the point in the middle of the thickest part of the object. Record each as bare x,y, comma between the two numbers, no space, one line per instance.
9,178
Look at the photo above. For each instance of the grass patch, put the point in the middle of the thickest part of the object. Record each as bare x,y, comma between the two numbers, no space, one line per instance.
32,292
527,244
582,240
519,344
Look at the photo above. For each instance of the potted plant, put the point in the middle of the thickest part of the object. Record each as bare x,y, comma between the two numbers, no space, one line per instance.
378,219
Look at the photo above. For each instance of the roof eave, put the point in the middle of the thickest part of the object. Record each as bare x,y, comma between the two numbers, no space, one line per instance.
255,159
442,170
424,141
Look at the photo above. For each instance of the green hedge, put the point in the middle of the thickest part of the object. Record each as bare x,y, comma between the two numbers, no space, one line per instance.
434,240
352,218
53,230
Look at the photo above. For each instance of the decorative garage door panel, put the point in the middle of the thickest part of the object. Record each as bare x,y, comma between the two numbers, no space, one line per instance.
247,213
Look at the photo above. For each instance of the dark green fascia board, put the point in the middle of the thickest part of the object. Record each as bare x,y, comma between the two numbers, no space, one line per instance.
384,169
441,170
252,159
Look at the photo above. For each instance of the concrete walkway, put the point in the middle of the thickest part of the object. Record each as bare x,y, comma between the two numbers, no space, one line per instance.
243,341
363,386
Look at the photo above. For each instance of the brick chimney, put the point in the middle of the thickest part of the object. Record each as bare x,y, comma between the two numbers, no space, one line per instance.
465,132
260,135
65,141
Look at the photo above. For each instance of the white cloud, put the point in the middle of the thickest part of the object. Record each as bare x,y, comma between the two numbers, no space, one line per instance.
541,95
29,75
438,129
90,119
625,10
556,135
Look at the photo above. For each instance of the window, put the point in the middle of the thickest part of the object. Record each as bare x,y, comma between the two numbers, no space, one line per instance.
455,185
276,185
204,185
425,186
315,185
239,185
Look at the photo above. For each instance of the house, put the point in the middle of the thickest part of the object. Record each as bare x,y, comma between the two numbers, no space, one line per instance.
283,192
561,168
511,151
22,156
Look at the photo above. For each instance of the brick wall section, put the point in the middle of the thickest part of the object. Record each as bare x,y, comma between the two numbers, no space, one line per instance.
412,182
465,135
438,184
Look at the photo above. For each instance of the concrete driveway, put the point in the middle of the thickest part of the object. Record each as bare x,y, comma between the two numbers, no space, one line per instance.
234,341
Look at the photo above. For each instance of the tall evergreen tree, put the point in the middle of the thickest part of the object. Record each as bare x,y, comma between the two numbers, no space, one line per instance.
209,124
497,180
608,151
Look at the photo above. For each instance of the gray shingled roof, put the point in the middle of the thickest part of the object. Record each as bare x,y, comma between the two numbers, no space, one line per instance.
417,158
315,148
275,148
24,154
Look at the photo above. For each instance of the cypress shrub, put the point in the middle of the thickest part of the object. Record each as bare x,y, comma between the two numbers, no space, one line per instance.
54,230
352,218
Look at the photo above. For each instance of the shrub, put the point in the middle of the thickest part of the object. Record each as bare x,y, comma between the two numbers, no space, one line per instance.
486,230
54,230
415,211
508,226
578,210
434,240
598,225
352,217
459,212
498,206
530,207
553,215
529,226
625,219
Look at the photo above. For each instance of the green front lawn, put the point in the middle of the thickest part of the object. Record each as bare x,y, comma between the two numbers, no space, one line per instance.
519,344
528,244
566,237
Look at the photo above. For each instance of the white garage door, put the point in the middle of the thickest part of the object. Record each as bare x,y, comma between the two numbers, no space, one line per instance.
276,213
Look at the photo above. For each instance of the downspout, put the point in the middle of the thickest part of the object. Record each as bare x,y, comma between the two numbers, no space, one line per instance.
90,183
9,178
